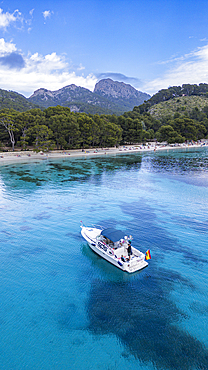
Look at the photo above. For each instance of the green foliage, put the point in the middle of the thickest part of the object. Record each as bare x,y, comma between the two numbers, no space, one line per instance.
177,113
13,100
112,134
173,92
24,121
89,130
42,138
193,105
167,133
188,128
132,129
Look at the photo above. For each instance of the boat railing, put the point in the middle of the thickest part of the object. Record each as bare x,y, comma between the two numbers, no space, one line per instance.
93,226
98,226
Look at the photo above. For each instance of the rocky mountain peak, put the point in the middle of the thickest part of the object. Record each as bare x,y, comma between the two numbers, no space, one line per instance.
116,89
42,92
39,91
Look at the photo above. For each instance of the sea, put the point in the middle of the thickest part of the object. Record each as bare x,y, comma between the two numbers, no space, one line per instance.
64,307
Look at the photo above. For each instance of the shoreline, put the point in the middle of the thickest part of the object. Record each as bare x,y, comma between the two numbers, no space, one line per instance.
26,156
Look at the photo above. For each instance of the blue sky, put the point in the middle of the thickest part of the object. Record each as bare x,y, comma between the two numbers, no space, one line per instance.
150,44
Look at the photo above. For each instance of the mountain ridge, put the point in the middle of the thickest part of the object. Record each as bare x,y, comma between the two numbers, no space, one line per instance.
111,97
13,100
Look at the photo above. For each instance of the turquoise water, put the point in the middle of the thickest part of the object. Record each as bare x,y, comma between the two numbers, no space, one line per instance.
62,306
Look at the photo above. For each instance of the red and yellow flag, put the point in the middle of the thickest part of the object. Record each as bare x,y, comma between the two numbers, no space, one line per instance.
148,255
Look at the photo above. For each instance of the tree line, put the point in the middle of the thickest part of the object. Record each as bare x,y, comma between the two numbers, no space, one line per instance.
59,128
191,126
56,128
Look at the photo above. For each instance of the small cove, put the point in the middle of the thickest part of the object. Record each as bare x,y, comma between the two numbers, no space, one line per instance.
64,307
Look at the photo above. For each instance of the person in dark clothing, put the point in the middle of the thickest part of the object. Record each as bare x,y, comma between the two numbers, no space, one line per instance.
129,250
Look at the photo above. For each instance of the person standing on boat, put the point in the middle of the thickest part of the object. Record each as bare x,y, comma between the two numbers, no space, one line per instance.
129,249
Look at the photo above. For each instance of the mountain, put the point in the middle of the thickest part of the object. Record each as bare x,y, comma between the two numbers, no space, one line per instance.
13,100
108,97
123,95
117,90
77,98
188,105
173,93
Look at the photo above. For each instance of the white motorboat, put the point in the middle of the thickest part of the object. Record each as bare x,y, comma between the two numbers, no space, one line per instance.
115,247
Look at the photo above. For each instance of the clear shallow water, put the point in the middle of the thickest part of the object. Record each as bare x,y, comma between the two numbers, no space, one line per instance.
62,306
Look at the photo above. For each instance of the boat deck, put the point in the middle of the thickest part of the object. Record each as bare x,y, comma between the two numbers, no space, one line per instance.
122,251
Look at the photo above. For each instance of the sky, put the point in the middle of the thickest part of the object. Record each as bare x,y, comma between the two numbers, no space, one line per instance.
150,44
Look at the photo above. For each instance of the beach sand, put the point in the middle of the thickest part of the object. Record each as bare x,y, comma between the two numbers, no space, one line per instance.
22,156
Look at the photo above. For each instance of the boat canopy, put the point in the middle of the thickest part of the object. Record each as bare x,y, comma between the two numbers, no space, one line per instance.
113,234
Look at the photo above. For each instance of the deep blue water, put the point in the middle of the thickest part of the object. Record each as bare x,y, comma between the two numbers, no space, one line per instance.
62,306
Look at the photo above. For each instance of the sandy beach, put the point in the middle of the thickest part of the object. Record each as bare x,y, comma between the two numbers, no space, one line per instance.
22,156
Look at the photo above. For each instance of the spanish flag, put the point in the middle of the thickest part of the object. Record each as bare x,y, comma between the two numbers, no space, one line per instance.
148,255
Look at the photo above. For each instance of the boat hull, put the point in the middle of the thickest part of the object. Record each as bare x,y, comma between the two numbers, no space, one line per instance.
136,263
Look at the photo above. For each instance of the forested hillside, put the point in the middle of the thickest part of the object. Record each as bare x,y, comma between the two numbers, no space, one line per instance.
174,92
178,119
182,105
13,100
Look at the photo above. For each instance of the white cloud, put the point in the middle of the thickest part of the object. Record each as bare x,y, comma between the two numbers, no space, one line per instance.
7,18
47,14
28,21
53,72
191,68
6,47
50,71
80,68
46,64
